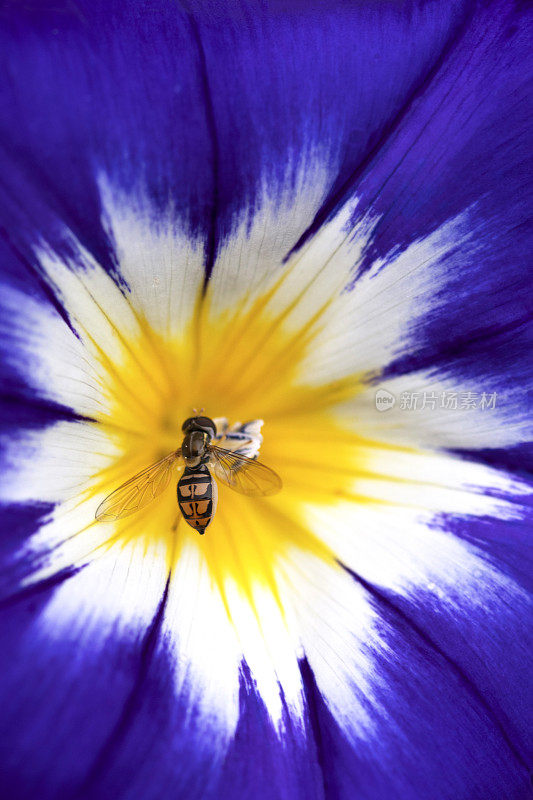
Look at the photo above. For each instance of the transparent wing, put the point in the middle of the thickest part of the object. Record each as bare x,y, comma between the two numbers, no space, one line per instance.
139,490
243,474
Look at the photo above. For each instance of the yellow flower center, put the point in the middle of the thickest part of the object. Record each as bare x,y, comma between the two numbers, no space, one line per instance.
243,366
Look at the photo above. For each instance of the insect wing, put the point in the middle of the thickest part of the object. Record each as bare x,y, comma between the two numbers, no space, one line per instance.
138,491
243,474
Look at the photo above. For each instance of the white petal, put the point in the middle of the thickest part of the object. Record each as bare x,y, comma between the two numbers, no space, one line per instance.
55,463
401,549
252,257
345,639
162,266
376,320
115,596
204,648
429,481
337,628
42,349
500,424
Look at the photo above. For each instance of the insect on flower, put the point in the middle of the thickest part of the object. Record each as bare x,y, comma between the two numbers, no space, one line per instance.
196,489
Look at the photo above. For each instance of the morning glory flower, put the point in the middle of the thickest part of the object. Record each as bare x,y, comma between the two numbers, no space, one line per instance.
310,221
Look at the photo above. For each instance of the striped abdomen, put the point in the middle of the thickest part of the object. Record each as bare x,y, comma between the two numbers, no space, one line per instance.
197,497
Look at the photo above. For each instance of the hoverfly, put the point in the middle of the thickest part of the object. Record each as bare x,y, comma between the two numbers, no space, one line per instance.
196,489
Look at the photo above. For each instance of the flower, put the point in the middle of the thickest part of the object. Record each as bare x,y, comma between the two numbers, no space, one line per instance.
310,215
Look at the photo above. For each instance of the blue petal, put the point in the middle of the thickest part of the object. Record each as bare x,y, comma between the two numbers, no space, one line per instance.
463,148
261,763
198,106
257,764
440,741
506,545
57,709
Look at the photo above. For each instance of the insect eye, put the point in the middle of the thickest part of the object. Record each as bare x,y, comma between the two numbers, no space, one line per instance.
206,422
187,424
